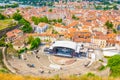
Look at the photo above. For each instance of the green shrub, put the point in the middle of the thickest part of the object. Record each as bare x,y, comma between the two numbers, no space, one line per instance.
17,16
3,70
22,50
115,71
2,17
90,74
114,64
35,43
100,60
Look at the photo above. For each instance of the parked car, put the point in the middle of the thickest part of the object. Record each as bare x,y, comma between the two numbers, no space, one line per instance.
31,65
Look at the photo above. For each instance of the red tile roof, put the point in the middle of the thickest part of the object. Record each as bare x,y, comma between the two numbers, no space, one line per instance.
13,33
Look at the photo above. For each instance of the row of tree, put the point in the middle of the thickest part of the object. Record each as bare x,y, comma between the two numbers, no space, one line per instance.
10,6
74,17
106,7
37,20
44,19
26,27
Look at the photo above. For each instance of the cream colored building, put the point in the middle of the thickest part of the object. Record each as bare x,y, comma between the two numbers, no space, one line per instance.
100,42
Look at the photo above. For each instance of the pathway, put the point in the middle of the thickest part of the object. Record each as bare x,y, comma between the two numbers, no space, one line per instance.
5,61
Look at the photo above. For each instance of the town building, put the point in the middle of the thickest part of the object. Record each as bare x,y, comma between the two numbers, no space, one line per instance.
19,43
14,34
40,28
82,36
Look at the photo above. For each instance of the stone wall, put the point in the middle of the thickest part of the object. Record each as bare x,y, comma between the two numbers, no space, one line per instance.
4,31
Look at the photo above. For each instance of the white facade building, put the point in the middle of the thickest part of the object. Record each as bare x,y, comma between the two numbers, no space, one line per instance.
40,28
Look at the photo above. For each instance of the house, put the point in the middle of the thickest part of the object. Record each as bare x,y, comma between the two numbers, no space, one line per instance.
59,27
40,28
74,24
118,37
111,39
101,41
14,34
70,33
100,29
82,36
18,44
118,27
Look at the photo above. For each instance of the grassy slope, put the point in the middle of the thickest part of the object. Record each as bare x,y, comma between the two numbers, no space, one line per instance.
5,23
4,76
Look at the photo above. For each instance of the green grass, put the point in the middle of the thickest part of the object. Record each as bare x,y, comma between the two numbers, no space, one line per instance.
3,70
5,23
90,74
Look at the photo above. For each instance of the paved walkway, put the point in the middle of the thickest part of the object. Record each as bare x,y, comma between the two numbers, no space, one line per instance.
5,61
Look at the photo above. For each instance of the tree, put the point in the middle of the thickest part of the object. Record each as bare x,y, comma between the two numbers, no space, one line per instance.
106,7
22,50
109,25
15,5
2,17
49,3
50,10
54,32
114,30
23,22
114,64
17,16
35,43
36,20
9,45
2,41
30,39
98,7
74,17
38,40
27,28
54,20
115,7
59,20
45,19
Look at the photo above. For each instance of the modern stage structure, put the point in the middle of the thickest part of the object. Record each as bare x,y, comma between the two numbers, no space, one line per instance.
65,48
